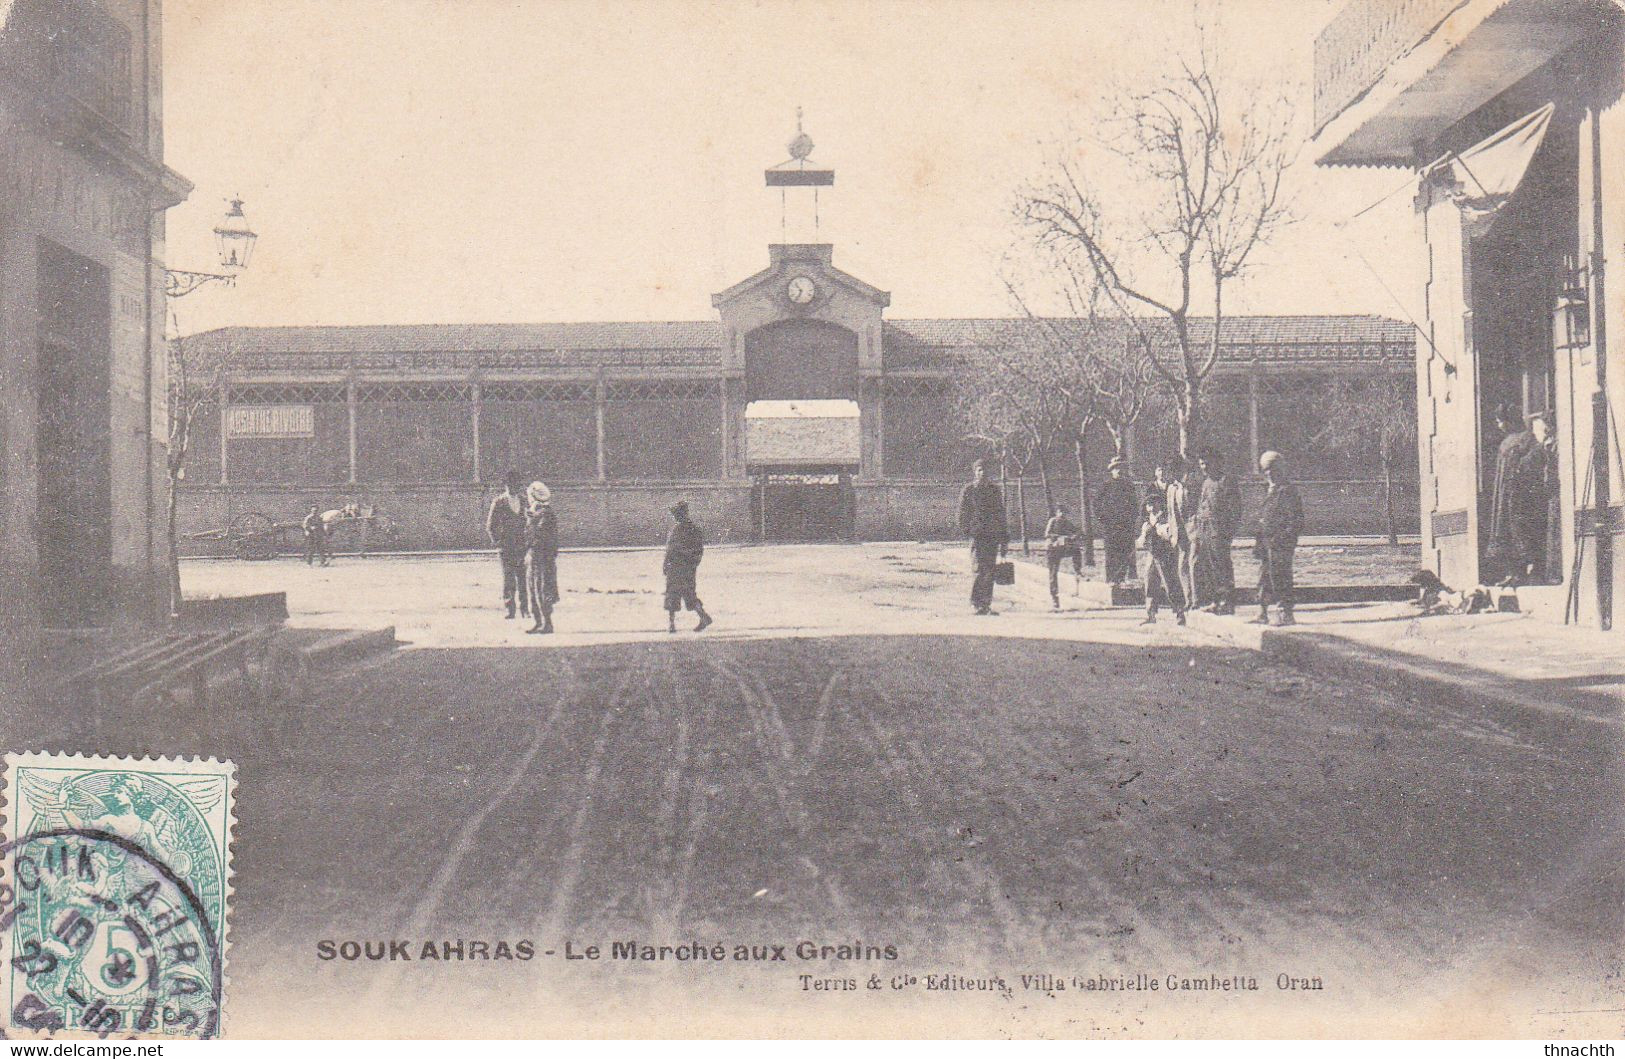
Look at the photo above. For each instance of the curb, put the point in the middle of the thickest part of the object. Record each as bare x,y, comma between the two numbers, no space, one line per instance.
1330,655
262,608
346,646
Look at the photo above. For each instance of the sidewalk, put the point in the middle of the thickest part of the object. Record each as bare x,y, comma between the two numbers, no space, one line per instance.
1512,663
1509,661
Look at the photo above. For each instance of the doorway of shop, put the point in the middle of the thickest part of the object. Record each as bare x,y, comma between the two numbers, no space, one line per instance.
72,443
804,504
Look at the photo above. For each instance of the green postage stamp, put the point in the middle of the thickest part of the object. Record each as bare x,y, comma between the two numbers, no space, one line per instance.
114,895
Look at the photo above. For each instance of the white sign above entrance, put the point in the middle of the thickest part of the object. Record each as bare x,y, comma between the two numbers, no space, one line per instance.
270,421
802,432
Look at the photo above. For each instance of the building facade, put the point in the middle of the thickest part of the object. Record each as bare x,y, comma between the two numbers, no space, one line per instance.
1508,114
800,413
83,188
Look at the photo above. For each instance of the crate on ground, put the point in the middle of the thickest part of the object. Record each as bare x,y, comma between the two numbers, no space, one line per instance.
162,666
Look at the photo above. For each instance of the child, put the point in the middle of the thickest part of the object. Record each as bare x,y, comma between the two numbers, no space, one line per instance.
1158,537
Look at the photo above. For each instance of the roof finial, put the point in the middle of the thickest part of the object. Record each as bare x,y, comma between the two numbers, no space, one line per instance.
802,145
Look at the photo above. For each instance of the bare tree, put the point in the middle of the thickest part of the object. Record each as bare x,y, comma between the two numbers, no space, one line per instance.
1359,416
1209,172
1099,366
196,373
1011,401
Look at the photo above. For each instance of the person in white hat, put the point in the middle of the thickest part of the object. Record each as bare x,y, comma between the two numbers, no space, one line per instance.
542,544
1280,521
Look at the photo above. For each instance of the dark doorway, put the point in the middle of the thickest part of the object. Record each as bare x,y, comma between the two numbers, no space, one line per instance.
805,504
1517,267
73,442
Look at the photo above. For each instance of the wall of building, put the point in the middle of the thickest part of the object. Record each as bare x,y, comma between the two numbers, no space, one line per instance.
598,515
1602,138
58,198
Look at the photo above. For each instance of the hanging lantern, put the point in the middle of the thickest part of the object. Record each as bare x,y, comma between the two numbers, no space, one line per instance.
234,239
1574,305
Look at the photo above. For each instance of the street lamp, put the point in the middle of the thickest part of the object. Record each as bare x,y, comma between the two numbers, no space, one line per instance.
234,240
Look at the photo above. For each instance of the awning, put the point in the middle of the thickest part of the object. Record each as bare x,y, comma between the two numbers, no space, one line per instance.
1489,172
817,409
802,433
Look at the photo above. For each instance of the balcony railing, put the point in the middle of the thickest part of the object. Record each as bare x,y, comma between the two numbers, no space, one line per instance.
1364,38
74,56
90,61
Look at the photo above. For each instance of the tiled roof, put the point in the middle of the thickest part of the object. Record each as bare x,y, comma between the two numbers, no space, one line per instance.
1238,330
916,342
496,338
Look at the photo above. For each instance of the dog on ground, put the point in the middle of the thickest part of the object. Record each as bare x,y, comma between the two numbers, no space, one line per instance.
1435,597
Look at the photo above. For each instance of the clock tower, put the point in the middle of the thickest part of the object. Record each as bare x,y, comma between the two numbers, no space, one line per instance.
802,358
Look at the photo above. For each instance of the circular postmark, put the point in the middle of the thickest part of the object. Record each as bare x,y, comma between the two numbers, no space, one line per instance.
105,938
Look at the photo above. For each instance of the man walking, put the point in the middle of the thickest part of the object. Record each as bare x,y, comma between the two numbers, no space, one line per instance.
542,539
1161,578
1060,544
685,545
1213,533
1117,509
1280,521
981,518
505,525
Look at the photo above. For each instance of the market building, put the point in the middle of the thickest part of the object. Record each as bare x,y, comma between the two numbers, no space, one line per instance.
1508,114
800,413
83,189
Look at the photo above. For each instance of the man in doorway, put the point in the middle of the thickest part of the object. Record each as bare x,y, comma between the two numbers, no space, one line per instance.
1518,504
505,525
1061,544
1117,509
1213,534
982,519
1280,522
1550,569
542,539
685,546
315,538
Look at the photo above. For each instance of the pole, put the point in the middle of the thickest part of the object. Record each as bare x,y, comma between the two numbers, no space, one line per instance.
1599,400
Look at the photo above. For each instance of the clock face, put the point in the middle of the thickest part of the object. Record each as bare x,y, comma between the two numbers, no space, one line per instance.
801,290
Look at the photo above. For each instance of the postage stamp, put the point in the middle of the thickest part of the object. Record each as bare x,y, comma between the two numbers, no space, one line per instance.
114,895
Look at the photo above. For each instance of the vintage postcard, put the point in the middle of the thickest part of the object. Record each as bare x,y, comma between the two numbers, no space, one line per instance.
812,519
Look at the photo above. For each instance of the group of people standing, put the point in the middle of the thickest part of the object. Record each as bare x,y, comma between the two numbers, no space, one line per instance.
522,525
1184,521
1526,518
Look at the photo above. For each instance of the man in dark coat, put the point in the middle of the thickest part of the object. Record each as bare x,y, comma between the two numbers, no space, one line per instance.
542,538
1280,522
1213,533
1117,510
505,525
315,537
981,518
685,546
1518,506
